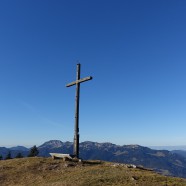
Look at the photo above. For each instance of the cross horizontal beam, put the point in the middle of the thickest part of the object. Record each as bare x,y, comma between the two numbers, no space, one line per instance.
79,81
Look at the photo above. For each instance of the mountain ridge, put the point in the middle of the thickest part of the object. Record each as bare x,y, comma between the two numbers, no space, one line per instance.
163,161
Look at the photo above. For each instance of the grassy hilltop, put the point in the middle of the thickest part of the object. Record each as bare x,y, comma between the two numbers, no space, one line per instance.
48,172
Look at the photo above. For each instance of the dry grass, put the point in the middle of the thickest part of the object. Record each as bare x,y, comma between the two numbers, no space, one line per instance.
48,172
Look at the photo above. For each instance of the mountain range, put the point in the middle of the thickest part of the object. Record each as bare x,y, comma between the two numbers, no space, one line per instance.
171,163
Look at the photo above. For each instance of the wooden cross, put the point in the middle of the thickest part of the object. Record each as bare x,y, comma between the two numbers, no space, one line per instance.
76,130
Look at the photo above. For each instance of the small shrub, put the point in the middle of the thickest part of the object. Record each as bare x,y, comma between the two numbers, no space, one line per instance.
8,156
19,155
33,151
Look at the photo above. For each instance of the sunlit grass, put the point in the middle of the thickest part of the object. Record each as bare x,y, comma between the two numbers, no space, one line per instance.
45,171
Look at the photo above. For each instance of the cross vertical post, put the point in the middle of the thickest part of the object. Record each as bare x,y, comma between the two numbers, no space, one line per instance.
76,132
76,127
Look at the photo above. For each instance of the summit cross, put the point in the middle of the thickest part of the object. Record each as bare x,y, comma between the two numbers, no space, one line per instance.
76,130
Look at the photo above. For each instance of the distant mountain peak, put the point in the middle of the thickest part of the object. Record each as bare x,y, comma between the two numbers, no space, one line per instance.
52,144
19,148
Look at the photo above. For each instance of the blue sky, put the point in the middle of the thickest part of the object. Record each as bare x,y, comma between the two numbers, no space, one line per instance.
135,51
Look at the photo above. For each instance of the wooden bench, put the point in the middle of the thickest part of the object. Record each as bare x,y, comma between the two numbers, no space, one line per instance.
65,157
